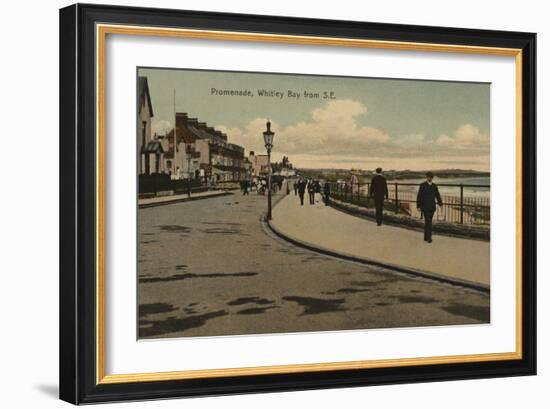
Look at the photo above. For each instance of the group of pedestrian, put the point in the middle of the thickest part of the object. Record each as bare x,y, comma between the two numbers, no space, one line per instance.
312,187
260,185
427,198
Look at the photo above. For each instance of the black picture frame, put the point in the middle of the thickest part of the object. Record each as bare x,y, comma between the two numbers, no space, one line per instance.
78,359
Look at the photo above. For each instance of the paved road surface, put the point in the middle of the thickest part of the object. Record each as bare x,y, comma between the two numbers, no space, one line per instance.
208,267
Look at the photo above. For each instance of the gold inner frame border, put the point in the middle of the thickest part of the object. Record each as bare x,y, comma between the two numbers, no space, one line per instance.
102,30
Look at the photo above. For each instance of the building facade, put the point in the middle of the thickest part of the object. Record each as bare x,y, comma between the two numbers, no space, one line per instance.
259,164
201,152
150,149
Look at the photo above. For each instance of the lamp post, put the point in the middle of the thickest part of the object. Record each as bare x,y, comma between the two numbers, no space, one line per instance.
188,151
268,140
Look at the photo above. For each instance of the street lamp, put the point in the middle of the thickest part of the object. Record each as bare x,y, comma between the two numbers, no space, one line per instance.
268,140
189,152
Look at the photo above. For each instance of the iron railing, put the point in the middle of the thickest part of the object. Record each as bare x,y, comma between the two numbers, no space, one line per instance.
461,207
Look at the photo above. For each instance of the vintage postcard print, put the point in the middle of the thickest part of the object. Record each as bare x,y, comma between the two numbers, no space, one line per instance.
276,203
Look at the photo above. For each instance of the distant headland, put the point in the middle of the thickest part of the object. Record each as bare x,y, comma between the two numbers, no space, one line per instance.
391,174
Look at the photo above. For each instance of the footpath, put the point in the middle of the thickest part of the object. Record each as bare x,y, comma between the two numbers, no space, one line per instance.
325,229
171,199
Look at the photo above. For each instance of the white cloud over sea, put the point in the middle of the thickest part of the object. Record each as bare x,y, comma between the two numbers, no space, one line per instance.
466,136
337,134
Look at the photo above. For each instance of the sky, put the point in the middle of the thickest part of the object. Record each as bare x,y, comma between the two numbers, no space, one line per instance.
334,122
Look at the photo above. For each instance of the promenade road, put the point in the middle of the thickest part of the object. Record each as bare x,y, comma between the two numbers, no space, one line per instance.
327,228
209,267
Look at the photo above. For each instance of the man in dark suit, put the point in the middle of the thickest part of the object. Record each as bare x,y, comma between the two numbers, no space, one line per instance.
311,190
301,186
326,193
379,191
428,195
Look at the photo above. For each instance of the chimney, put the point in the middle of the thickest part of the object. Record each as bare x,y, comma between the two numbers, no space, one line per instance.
181,116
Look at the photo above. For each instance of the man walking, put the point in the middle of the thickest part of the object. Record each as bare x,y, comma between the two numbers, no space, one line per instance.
311,191
326,192
301,186
379,191
428,195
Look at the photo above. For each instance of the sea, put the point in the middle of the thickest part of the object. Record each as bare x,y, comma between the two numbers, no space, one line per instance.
478,187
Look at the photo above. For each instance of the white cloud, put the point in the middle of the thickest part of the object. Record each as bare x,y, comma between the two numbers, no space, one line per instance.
160,127
331,129
466,136
333,134
250,137
411,141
